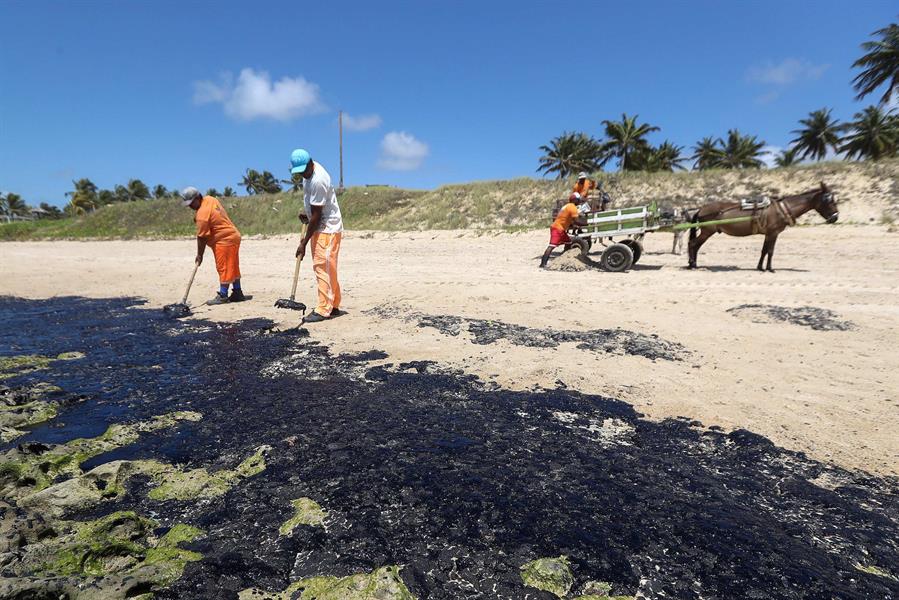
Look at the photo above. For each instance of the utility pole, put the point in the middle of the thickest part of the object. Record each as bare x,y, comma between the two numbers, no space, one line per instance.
340,129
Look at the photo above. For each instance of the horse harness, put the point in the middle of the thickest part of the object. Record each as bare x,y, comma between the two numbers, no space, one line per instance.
785,212
760,217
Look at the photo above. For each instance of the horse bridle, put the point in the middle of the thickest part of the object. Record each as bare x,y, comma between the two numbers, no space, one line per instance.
828,200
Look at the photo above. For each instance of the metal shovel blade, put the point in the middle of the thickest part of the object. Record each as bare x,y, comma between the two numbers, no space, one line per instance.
177,311
290,304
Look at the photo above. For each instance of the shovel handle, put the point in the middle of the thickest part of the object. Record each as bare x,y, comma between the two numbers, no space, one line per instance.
296,275
190,283
296,269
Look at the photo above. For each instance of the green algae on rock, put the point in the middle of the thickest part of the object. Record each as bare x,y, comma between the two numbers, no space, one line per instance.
306,512
551,575
116,556
10,366
33,467
25,407
107,481
174,484
381,584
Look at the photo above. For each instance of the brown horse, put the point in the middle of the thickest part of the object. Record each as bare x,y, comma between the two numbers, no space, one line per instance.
770,220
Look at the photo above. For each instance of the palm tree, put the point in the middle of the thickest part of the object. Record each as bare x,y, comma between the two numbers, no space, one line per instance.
666,157
786,157
295,182
569,153
624,139
252,181
84,198
227,192
50,211
105,197
879,65
138,189
212,192
160,191
873,134
13,204
707,153
270,184
819,133
741,151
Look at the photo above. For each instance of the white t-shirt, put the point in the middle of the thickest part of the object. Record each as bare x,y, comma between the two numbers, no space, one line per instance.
317,191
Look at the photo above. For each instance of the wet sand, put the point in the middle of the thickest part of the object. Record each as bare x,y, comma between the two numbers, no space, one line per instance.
829,392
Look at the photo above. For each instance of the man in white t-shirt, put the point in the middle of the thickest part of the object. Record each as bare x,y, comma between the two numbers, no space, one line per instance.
324,229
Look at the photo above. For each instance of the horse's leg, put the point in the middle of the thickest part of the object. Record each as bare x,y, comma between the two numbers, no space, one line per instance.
771,251
765,247
696,243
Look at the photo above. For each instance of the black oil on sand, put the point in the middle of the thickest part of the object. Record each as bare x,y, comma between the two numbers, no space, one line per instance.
460,482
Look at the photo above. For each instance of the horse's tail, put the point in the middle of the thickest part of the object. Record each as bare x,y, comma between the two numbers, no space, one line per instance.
695,219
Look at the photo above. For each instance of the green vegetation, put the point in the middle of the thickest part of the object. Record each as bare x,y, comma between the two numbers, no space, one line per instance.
260,183
879,64
513,205
569,154
626,141
306,512
819,133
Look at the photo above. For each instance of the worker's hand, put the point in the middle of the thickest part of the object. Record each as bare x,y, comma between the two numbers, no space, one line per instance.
199,259
304,218
301,251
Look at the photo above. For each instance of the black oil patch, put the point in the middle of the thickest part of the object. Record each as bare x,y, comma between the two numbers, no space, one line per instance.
484,332
460,482
819,319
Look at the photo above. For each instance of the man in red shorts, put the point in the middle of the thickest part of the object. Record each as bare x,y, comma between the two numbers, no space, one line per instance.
558,232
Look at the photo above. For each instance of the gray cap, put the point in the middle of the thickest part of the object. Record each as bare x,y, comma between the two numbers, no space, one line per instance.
189,194
582,175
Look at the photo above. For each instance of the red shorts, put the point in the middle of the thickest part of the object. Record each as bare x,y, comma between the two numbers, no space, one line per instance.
557,237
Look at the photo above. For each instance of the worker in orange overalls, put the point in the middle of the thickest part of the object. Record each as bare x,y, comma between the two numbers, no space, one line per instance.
324,230
215,229
558,232
584,186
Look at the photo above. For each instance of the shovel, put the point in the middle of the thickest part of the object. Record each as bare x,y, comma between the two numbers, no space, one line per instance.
290,303
181,309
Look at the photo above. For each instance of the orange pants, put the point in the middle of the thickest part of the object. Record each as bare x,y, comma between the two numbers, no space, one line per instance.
227,262
325,248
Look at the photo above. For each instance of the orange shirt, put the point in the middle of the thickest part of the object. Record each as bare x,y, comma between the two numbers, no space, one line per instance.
567,215
584,189
214,225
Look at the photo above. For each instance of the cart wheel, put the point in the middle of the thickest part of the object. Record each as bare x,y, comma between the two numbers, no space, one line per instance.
636,248
581,244
616,258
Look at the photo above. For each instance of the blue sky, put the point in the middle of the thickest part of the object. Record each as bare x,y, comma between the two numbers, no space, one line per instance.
193,93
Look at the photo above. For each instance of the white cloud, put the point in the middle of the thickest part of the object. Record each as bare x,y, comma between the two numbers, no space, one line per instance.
254,95
786,72
400,151
361,123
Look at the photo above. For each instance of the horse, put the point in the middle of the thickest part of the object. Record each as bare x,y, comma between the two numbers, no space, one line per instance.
770,220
